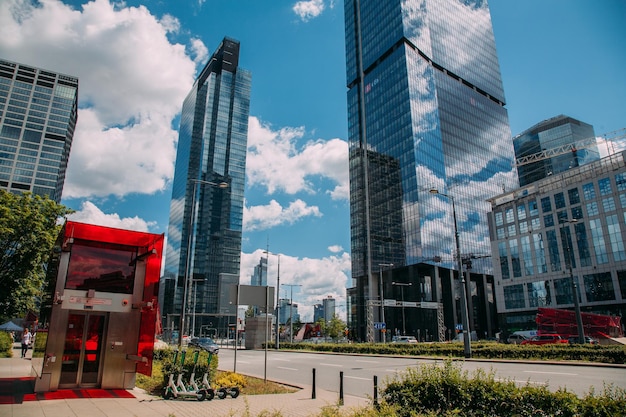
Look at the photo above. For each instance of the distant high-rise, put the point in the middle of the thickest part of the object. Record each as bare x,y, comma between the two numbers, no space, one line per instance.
204,236
38,112
259,277
425,112
329,308
554,135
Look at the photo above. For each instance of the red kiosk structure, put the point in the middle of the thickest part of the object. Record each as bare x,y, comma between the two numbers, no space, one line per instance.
99,316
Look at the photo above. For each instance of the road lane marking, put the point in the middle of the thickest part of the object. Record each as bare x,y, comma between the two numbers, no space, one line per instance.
288,369
357,377
549,373
331,364
281,360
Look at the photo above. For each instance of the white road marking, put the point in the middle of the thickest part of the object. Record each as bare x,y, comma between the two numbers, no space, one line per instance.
288,369
331,364
356,377
549,373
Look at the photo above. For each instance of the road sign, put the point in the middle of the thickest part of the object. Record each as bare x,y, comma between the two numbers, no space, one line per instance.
378,325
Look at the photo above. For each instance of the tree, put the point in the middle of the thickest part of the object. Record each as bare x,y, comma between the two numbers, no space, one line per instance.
28,229
335,327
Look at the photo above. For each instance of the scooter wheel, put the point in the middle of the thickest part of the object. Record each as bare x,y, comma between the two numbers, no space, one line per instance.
210,394
234,392
201,395
168,394
221,393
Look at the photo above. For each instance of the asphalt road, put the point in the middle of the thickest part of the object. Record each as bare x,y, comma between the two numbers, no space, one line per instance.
359,371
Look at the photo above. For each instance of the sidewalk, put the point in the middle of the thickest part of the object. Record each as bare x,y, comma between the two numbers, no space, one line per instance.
14,373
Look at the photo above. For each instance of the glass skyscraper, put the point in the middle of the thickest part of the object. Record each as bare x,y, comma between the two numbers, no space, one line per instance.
38,111
564,142
206,211
426,111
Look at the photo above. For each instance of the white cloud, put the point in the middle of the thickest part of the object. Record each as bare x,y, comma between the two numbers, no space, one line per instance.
273,214
318,278
91,214
309,9
335,248
274,162
124,142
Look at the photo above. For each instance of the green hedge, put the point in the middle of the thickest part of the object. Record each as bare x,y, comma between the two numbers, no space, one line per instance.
448,391
6,345
615,354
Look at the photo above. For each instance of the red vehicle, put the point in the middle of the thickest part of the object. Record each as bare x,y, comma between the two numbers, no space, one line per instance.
544,339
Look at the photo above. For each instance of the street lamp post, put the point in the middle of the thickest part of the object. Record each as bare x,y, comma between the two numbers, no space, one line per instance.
277,300
574,284
291,310
464,315
187,285
402,285
382,299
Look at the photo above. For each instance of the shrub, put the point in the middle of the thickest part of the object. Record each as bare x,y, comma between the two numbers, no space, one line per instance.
6,345
447,390
230,379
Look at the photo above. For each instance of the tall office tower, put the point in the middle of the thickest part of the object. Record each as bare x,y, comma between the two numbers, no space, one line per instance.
329,308
38,111
553,146
259,277
204,236
425,112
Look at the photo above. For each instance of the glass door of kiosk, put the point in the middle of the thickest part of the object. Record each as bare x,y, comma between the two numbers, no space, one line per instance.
82,353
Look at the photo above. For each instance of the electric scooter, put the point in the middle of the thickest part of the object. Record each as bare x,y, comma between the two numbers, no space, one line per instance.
177,390
220,393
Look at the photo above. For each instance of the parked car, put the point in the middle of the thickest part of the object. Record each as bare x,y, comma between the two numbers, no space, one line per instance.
205,343
572,340
404,339
544,339
516,339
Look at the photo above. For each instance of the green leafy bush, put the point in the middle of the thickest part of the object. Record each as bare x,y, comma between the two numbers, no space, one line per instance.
447,390
6,345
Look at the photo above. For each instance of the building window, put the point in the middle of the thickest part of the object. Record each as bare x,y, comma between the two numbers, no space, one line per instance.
499,221
574,198
504,260
532,207
621,278
501,233
553,249
559,200
598,241
514,297
101,267
563,291
521,212
592,209
608,204
517,270
620,181
599,287
589,192
538,294
546,206
615,236
605,186
548,220
540,253
528,256
509,215
583,244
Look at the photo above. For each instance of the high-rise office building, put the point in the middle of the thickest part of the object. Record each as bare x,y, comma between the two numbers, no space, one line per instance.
38,111
553,146
426,112
204,236
329,308
259,277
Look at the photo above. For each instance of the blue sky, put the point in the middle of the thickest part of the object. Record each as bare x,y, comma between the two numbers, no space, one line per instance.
136,61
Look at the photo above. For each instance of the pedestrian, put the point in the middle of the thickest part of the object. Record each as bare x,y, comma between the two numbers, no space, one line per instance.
26,339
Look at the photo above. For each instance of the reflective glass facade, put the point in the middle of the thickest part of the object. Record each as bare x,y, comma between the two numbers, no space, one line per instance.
38,111
204,235
425,110
549,135
589,251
